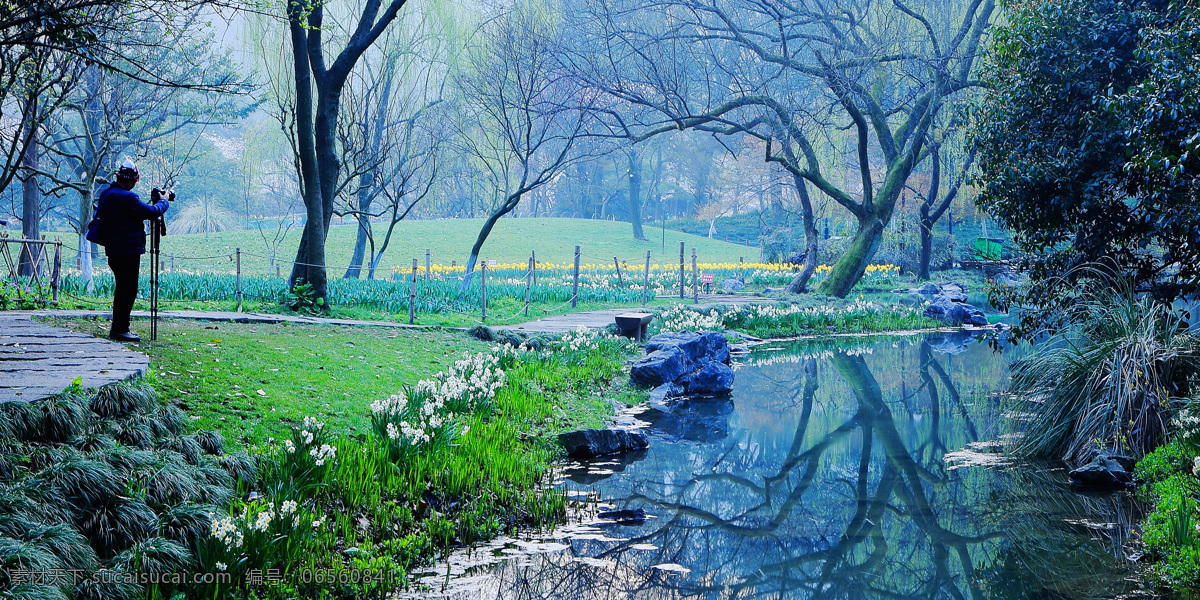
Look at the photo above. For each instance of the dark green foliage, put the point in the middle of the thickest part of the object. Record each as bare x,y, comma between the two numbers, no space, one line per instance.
482,333
106,483
1087,142
239,466
156,555
185,521
210,442
1168,484
123,399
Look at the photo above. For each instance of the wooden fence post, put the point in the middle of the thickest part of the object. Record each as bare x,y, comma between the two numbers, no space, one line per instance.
483,291
239,279
620,279
533,261
528,283
646,278
412,293
575,286
57,272
427,265
681,283
695,279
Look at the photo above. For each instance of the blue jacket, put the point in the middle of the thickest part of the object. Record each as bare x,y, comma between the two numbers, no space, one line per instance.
122,214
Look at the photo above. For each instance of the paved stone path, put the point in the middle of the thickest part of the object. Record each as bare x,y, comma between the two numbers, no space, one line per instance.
38,360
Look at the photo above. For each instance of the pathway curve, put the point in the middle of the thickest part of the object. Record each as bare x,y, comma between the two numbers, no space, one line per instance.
37,360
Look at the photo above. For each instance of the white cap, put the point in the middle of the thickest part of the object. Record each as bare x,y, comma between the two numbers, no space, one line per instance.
128,164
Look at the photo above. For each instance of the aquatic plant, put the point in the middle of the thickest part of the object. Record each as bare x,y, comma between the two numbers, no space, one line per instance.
1108,378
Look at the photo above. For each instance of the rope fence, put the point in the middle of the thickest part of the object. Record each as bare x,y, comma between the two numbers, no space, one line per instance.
419,289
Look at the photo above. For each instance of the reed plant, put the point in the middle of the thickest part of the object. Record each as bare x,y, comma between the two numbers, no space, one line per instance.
1109,378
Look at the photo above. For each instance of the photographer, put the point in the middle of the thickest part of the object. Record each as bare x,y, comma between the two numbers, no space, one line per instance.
120,213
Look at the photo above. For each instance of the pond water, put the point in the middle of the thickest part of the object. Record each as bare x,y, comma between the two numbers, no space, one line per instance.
862,468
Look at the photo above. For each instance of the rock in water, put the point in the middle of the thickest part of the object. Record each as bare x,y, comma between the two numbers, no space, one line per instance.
955,313
711,379
696,362
657,368
590,443
1107,472
632,516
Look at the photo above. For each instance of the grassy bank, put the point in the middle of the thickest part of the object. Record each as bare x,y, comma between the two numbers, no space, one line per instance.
407,445
553,240
808,316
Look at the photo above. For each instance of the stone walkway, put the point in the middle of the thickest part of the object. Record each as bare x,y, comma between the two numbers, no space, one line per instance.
38,360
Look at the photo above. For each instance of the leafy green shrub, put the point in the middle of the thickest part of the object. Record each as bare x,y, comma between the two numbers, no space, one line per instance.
1170,531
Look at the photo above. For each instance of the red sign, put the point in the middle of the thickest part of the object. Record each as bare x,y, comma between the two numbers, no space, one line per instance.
706,278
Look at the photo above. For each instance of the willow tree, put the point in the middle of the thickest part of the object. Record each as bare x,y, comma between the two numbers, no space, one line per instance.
799,75
529,111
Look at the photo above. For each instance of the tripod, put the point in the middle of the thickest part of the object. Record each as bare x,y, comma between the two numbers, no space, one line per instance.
158,228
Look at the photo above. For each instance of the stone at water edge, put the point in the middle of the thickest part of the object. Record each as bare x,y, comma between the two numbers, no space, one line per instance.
657,368
712,378
696,362
1106,472
631,516
955,313
590,443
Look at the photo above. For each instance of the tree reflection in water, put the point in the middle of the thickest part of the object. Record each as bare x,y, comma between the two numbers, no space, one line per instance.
829,480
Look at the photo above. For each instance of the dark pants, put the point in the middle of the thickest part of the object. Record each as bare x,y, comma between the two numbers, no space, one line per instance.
125,273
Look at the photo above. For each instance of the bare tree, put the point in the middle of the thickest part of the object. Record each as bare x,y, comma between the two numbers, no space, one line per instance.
318,94
798,74
390,133
109,114
529,111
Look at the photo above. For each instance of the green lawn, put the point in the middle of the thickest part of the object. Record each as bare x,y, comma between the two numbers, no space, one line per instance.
214,371
553,240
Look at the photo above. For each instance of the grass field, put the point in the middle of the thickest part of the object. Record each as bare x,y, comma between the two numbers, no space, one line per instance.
448,240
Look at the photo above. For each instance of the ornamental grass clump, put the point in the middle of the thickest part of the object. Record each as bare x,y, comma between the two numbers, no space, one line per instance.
1109,378
104,491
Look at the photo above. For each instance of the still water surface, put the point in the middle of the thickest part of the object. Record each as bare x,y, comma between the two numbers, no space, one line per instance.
861,468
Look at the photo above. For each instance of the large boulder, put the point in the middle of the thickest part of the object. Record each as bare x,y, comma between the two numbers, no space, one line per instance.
658,367
696,363
711,379
955,313
590,443
952,292
733,284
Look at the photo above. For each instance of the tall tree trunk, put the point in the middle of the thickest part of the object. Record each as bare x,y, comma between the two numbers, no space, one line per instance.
509,204
86,208
799,284
309,267
32,258
850,267
926,225
635,193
